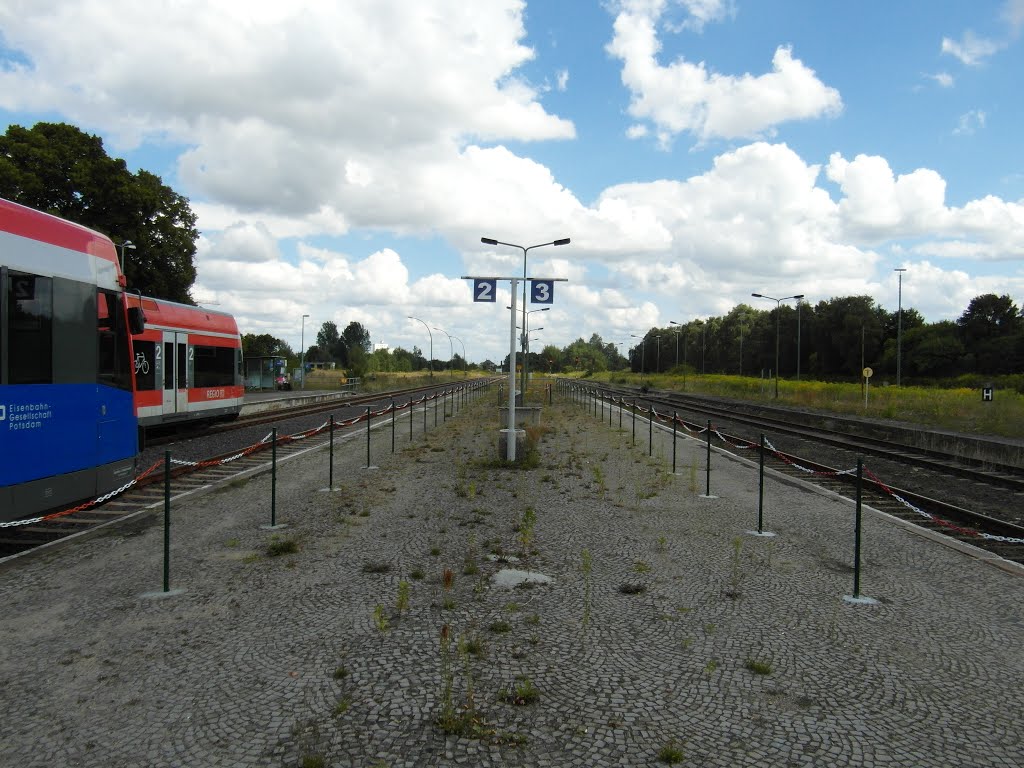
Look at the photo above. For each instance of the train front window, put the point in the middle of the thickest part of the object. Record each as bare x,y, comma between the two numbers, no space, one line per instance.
29,329
114,367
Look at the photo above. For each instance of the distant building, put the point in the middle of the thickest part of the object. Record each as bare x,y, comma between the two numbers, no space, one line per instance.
380,345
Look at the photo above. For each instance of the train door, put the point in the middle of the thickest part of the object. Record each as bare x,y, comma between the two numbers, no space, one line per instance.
176,372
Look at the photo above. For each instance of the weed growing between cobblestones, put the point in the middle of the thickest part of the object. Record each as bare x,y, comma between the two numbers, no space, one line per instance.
758,667
342,706
526,528
522,692
670,753
340,673
500,627
279,546
376,567
632,588
417,573
641,567
402,601
599,479
380,618
710,667
693,477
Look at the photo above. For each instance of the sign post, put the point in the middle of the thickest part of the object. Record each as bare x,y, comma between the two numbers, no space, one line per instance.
485,290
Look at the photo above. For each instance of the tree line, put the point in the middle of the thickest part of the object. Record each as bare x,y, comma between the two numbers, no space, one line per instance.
834,339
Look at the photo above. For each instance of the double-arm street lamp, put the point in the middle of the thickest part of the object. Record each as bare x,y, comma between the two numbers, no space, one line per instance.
524,249
778,313
431,361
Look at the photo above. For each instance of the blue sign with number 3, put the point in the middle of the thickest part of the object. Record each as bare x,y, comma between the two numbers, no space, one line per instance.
542,291
485,290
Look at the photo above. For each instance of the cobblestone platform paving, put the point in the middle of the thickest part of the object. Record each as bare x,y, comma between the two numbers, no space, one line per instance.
660,644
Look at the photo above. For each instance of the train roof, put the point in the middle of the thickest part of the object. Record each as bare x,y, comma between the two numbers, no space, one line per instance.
161,313
33,225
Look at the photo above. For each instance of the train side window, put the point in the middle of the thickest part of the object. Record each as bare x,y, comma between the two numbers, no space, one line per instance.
215,366
29,329
113,366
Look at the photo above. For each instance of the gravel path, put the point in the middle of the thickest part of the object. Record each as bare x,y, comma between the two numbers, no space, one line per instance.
686,637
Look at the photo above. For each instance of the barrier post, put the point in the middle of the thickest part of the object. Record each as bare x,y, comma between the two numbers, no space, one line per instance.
760,489
367,437
424,414
650,431
392,425
707,484
435,409
444,411
857,531
634,422
673,442
330,470
410,418
611,402
273,477
602,408
167,521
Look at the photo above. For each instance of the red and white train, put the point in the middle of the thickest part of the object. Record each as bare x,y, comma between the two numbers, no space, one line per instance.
187,364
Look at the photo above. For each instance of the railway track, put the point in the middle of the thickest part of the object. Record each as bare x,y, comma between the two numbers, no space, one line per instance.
149,490
994,525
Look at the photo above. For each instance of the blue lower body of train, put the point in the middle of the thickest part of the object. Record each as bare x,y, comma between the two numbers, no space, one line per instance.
63,443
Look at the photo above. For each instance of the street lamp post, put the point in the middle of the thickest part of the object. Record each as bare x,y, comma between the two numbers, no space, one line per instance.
899,326
657,367
430,363
451,349
678,330
302,353
524,249
778,313
126,245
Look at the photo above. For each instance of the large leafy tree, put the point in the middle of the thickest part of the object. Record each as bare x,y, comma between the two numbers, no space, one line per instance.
355,335
57,168
265,345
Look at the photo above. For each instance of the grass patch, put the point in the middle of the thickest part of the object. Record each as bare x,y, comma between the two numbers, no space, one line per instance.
499,627
758,667
279,546
670,753
376,567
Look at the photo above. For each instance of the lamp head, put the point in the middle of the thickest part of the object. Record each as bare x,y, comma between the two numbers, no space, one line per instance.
563,241
757,295
488,240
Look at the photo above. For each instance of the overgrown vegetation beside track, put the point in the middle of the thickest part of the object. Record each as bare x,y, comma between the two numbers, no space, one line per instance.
959,409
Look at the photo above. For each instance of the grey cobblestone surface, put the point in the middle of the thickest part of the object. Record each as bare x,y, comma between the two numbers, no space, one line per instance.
281,661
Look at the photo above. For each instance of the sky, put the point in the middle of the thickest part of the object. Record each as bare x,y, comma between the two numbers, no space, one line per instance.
345,157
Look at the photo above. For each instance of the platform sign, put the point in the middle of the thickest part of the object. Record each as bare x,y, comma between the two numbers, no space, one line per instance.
542,291
485,290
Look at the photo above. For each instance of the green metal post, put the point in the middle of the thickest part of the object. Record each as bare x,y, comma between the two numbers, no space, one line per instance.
167,521
273,477
857,530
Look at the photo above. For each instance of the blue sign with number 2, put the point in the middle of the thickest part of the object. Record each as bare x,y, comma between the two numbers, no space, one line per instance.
542,291
484,290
